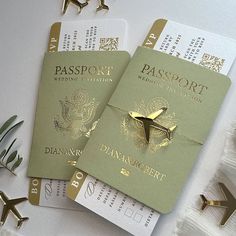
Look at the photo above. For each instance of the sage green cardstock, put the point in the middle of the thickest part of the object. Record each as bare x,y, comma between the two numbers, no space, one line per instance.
73,92
117,152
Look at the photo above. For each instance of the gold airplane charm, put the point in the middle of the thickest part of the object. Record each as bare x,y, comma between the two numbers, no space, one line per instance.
148,121
9,205
76,3
102,6
229,204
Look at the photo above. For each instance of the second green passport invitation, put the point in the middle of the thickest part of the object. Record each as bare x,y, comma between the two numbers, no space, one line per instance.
74,89
177,102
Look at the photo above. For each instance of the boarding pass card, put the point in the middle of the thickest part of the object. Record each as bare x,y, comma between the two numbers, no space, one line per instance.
210,50
98,35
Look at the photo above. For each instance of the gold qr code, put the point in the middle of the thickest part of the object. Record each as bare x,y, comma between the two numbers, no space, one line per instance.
109,44
212,62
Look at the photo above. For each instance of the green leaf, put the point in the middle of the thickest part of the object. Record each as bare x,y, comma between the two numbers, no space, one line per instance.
2,154
7,124
13,127
17,163
11,157
9,149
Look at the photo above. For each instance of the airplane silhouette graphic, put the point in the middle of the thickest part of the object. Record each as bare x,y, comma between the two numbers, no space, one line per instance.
229,204
148,121
9,206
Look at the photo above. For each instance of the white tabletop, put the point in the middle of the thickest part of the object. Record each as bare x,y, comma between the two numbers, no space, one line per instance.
24,34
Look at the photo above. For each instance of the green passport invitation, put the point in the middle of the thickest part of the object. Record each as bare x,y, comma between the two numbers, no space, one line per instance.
73,92
118,152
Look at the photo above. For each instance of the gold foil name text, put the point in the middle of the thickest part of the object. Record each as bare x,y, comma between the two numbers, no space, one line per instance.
62,151
130,161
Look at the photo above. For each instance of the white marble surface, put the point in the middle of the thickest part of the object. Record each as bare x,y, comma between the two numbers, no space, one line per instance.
24,33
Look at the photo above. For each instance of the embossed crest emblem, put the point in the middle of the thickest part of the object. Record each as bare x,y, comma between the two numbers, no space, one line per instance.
134,129
77,113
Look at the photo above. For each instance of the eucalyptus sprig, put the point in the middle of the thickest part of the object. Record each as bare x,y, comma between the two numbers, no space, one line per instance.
9,159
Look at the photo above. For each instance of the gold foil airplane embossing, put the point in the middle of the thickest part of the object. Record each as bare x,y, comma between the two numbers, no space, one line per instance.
149,121
229,204
9,206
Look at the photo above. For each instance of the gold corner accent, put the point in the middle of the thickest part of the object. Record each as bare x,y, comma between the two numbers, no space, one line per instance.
154,33
34,191
75,184
54,37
